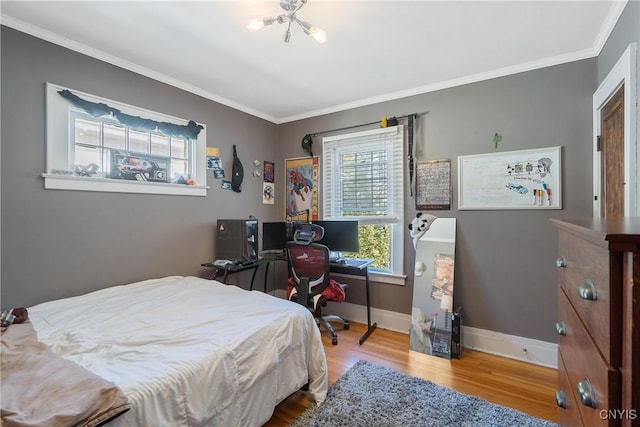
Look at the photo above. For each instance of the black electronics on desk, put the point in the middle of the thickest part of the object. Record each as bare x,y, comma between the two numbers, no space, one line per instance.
340,236
274,236
237,240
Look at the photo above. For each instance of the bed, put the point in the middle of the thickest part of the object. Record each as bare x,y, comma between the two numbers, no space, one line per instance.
186,351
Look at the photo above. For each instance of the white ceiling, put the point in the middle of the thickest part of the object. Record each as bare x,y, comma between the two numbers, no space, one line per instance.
376,50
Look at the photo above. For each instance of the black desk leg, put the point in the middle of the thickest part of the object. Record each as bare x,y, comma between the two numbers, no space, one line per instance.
370,327
266,276
253,276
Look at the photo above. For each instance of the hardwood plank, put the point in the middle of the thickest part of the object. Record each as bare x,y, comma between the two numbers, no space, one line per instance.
523,386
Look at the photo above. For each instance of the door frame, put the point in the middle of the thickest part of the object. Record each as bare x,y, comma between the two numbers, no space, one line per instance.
624,72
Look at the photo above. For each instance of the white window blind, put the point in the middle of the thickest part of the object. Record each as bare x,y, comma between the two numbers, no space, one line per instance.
363,175
363,180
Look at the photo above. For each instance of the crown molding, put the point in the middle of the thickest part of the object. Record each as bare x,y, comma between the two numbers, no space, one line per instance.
475,78
609,24
127,65
605,31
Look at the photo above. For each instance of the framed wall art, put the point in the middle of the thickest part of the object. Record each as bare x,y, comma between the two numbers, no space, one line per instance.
524,179
302,187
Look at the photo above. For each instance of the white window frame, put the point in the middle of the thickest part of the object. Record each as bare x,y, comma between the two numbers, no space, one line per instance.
59,152
391,138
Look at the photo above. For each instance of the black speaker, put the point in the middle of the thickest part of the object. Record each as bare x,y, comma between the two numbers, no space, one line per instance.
456,333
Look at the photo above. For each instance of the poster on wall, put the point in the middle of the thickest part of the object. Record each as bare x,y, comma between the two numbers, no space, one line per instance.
214,162
433,185
302,187
442,283
268,189
524,179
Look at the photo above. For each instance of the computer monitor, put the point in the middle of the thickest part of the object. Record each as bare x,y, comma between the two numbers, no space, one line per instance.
274,236
340,236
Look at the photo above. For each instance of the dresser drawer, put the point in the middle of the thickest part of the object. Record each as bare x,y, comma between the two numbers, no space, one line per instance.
586,366
586,272
568,411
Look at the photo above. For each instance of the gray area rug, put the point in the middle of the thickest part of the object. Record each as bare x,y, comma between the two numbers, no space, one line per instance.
369,395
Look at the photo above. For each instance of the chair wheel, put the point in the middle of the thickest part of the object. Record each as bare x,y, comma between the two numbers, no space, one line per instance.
334,341
346,326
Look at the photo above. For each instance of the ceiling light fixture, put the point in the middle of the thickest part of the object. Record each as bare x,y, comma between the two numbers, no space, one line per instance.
291,7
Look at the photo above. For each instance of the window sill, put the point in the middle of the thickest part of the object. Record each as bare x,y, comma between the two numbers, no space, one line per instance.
387,278
379,277
81,183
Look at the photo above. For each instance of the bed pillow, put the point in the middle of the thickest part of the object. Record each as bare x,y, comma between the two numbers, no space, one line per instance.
40,388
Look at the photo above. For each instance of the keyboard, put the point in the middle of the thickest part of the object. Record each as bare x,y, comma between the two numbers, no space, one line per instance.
357,262
353,262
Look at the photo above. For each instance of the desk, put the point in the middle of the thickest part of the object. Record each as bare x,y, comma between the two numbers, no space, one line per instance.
362,270
349,267
234,268
225,271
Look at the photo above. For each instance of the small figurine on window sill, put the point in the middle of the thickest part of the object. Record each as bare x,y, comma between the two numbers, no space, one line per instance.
88,170
184,179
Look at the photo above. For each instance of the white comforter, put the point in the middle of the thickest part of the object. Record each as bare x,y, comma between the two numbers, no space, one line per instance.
188,351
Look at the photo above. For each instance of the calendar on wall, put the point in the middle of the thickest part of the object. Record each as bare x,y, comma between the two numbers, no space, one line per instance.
433,185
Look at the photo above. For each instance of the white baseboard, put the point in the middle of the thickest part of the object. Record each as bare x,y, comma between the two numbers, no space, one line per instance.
386,319
514,347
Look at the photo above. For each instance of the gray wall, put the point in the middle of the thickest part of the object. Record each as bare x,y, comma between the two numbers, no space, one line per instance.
627,30
505,275
63,243
59,243
505,260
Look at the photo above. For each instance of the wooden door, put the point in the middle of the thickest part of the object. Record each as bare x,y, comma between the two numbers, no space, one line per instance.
612,151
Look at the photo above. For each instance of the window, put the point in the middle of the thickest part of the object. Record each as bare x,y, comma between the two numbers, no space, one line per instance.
363,179
97,150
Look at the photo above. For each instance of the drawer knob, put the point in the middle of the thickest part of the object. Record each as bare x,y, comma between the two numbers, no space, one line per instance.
560,400
587,290
585,390
560,328
561,262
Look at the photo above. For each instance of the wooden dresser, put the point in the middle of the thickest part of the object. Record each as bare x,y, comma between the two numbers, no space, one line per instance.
598,322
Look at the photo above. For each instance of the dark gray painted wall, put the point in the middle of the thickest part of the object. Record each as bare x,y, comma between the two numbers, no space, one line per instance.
505,273
61,243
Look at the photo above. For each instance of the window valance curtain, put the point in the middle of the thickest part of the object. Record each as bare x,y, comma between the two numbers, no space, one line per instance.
98,109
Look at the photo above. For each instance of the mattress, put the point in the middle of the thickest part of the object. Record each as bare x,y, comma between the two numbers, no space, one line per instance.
188,351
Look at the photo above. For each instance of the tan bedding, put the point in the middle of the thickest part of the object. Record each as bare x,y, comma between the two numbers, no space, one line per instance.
39,388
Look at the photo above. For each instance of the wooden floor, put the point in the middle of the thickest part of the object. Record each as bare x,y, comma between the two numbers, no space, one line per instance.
522,386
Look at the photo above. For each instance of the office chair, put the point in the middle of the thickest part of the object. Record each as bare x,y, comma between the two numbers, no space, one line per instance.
309,267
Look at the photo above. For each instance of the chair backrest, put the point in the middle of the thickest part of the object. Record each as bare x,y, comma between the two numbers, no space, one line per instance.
305,233
308,262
